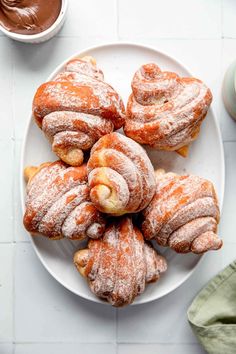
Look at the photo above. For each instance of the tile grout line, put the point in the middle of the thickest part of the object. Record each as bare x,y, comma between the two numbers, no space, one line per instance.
220,127
13,93
13,298
221,18
116,330
95,343
117,19
13,146
60,342
14,162
14,242
13,196
134,38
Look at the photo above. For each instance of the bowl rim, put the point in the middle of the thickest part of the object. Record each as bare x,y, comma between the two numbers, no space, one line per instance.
23,149
29,37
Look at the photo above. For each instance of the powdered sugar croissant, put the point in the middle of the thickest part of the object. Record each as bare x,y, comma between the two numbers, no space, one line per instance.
183,214
165,111
58,203
121,176
76,108
120,264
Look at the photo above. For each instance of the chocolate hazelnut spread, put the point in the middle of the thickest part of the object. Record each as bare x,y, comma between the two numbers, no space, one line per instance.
28,16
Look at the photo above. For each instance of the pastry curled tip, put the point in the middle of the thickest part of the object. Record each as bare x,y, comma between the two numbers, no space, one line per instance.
30,171
183,151
86,58
159,172
209,241
105,200
81,258
71,156
89,59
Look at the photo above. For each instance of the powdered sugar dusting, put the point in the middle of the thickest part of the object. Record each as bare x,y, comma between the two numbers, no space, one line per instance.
180,211
124,166
165,111
124,264
79,91
182,238
56,195
84,67
75,130
77,100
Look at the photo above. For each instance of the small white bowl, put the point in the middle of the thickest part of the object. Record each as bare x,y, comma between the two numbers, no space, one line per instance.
42,36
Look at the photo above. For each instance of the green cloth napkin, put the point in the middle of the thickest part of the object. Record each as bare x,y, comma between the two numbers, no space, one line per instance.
212,314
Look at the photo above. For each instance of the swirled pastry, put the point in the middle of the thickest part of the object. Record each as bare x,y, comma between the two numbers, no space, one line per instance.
120,175
76,108
165,111
58,203
183,214
120,264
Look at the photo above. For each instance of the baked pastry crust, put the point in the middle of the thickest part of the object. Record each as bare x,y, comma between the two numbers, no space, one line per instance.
165,111
76,108
120,264
183,214
120,175
58,203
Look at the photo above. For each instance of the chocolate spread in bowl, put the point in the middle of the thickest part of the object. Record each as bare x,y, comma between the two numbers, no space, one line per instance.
28,16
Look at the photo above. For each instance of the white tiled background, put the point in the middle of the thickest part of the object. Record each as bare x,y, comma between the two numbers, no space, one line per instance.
37,315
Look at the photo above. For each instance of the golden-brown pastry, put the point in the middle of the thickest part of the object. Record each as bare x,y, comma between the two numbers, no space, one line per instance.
58,203
76,108
165,111
120,264
183,214
121,176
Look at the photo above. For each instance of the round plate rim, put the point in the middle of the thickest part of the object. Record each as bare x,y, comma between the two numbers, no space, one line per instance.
142,300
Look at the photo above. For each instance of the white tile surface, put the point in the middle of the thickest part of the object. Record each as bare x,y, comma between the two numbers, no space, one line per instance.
20,234
228,253
56,314
62,348
6,88
164,320
6,187
170,19
229,18
160,349
89,18
6,348
6,293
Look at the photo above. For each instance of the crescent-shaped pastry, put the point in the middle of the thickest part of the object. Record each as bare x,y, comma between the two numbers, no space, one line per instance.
165,111
58,203
120,264
120,175
183,214
76,108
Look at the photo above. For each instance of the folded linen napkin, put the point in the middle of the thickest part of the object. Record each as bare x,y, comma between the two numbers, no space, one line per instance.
212,314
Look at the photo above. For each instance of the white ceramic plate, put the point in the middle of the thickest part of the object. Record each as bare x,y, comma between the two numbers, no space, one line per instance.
119,62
